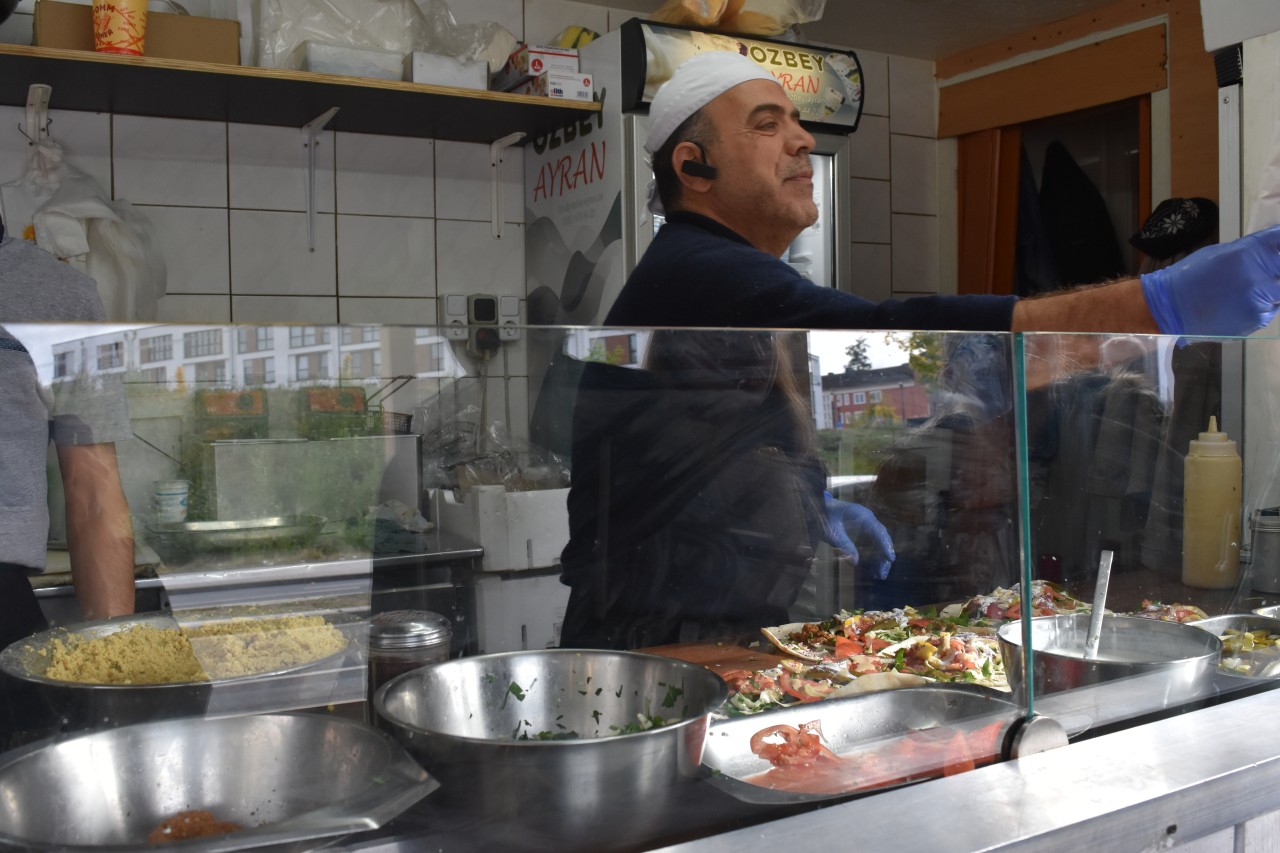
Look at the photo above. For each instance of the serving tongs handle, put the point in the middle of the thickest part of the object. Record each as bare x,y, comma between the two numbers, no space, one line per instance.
1099,605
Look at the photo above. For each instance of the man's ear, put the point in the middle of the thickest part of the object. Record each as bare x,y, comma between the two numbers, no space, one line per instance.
689,161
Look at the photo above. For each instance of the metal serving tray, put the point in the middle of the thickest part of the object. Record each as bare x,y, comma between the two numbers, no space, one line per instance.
865,724
244,533
1262,662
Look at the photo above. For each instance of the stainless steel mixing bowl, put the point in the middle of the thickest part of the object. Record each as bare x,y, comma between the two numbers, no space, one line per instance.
86,706
475,723
290,780
1129,645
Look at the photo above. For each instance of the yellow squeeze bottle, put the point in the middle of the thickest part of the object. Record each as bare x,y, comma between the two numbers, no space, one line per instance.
1211,491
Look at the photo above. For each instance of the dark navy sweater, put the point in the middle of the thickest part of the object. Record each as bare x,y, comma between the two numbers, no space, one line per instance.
697,272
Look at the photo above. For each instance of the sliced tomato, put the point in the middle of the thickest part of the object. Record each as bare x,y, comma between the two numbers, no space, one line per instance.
876,644
984,744
956,757
733,675
784,745
847,647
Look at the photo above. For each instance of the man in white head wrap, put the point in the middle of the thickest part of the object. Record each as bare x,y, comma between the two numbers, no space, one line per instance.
724,100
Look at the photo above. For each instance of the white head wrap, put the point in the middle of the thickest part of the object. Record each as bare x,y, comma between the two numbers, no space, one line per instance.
697,82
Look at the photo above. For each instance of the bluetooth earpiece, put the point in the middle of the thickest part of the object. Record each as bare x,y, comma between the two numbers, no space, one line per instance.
698,170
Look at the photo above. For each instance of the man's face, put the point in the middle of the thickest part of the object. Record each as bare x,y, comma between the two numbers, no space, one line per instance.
764,189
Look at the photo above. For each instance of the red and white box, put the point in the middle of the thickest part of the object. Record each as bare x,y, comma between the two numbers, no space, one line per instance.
550,84
528,61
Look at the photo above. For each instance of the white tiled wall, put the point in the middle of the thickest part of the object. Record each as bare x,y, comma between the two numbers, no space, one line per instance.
400,220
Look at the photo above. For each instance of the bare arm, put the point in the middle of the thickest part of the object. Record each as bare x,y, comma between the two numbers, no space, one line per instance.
99,530
1114,307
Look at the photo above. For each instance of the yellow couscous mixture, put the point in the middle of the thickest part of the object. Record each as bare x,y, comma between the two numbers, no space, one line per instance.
239,647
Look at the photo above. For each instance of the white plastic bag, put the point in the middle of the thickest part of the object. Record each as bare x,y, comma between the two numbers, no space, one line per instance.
111,240
396,25
74,219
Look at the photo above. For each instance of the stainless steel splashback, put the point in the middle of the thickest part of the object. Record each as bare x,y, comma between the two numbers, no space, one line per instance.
339,478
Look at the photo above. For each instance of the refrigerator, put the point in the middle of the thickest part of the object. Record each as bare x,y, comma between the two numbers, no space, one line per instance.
586,220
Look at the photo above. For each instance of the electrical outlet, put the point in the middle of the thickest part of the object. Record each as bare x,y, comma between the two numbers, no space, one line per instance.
508,318
453,317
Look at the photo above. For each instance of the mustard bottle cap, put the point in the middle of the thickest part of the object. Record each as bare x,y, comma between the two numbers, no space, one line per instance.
1213,443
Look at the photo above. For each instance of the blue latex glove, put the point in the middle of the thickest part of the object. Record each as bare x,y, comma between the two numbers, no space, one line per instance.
1223,290
846,520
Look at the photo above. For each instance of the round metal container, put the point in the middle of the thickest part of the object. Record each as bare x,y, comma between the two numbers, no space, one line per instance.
403,640
1264,525
1129,645
86,706
475,723
292,781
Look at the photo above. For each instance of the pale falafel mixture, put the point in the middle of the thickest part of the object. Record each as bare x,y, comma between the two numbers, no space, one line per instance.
239,647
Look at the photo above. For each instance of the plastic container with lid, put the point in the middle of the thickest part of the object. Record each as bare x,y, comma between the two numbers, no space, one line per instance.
403,640
1211,511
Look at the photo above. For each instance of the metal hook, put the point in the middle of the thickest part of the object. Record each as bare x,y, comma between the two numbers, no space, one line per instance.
37,113
44,132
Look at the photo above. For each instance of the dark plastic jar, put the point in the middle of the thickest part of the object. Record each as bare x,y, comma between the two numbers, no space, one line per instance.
403,640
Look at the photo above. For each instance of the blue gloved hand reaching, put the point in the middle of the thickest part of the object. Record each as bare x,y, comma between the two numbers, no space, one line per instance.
844,521
1222,290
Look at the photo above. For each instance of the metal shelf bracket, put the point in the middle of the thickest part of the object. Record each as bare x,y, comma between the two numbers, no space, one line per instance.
312,130
495,182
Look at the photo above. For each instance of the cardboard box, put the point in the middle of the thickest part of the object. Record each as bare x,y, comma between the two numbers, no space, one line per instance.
531,60
349,61
69,26
422,67
517,530
550,84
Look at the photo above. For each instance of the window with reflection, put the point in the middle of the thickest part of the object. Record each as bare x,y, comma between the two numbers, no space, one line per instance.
203,342
255,339
259,371
312,365
155,348
111,355
308,336
360,335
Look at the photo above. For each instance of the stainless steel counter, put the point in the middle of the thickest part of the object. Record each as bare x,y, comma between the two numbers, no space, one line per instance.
1148,787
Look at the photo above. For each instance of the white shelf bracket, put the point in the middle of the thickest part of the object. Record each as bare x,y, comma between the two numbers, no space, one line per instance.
37,129
312,130
495,175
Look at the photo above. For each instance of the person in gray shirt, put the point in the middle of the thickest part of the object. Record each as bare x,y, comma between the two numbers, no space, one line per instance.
84,419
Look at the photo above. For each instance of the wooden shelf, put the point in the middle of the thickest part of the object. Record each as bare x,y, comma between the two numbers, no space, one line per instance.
169,88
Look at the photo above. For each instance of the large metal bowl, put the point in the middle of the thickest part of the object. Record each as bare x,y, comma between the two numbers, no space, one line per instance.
84,706
1129,645
464,720
291,780
867,726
